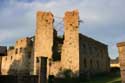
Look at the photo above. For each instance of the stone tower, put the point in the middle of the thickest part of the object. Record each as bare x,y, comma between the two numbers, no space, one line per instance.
43,37
70,49
121,48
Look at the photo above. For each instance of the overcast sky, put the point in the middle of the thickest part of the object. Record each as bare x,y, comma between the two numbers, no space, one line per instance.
104,20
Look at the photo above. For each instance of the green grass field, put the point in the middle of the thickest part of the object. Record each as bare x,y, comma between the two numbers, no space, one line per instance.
111,77
105,79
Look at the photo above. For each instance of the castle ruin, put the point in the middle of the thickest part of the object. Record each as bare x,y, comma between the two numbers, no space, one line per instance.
74,51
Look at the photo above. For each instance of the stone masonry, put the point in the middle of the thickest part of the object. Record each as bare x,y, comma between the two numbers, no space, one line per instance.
70,49
73,51
18,59
93,55
121,48
43,37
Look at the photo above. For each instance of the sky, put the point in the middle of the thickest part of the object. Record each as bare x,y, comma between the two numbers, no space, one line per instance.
103,20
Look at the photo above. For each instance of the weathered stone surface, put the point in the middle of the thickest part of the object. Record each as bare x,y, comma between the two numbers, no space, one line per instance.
43,36
121,48
17,61
70,49
74,51
55,68
93,55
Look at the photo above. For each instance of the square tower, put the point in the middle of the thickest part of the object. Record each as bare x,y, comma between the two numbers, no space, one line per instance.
43,37
70,49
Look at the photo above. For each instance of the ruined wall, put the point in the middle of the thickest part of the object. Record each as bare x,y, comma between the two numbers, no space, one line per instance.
43,37
24,57
121,48
70,49
7,61
93,55
55,68
17,60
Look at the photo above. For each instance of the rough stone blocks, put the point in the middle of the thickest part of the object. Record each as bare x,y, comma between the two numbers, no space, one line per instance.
70,49
43,36
121,47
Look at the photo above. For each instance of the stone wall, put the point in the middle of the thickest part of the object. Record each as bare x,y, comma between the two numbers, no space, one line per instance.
70,49
74,51
55,68
43,38
18,58
78,50
7,61
121,48
93,55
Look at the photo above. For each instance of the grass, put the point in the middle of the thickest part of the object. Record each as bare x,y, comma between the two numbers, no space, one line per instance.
110,78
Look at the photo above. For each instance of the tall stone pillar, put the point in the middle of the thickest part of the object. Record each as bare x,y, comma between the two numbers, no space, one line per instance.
43,38
70,49
121,48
